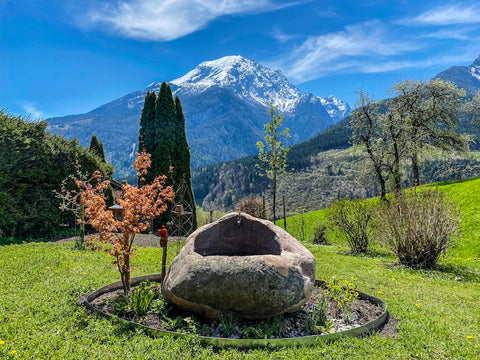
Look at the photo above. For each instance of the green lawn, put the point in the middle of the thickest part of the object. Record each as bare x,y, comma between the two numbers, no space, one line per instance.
438,312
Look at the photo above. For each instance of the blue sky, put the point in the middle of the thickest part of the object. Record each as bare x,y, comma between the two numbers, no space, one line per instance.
62,57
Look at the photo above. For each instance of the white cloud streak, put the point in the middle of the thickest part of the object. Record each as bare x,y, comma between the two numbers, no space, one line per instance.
32,111
154,20
446,15
345,50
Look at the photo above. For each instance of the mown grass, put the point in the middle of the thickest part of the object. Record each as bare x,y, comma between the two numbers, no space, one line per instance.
438,311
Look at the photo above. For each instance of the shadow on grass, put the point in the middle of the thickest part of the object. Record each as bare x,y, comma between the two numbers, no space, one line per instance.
369,254
445,271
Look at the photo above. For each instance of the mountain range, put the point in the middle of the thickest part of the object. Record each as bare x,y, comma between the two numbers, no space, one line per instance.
465,77
325,167
224,103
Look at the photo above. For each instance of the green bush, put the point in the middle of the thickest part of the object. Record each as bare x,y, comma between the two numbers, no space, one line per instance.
354,220
319,234
33,163
419,225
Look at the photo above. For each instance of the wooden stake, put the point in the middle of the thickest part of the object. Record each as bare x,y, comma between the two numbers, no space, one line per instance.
164,261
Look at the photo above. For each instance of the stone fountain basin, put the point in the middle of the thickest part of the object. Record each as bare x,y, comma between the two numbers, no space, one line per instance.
243,265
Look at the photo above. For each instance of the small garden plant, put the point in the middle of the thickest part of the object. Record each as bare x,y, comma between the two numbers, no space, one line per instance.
139,205
343,293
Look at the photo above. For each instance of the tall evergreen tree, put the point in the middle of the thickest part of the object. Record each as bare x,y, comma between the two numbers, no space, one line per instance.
97,148
182,158
165,129
162,134
146,138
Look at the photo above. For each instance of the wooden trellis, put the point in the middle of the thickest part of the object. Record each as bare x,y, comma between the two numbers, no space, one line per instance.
180,223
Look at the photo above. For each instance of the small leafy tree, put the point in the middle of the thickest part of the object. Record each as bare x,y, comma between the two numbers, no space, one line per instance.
139,204
273,153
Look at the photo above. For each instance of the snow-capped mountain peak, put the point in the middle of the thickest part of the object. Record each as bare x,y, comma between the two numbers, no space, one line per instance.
475,68
246,78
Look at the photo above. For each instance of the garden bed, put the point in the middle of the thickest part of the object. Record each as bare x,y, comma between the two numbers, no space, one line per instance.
368,314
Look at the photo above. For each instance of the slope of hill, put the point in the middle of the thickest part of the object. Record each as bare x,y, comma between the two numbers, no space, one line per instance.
224,103
466,196
465,77
220,183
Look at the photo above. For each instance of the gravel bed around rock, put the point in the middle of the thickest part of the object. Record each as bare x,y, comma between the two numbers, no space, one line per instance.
291,324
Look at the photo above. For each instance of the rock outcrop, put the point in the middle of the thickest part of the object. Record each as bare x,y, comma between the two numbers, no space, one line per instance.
243,265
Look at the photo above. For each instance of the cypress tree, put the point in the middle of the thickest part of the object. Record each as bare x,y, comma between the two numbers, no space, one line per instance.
97,148
182,158
162,134
146,138
165,122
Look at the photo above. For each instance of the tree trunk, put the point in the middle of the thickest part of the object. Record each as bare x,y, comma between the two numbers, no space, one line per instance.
82,222
381,180
164,261
396,168
284,214
274,177
416,175
126,275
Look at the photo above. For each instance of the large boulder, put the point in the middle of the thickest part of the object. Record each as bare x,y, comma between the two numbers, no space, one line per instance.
243,265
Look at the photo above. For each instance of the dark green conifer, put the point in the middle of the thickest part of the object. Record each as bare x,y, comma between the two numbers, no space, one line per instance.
162,130
165,123
97,148
182,158
146,139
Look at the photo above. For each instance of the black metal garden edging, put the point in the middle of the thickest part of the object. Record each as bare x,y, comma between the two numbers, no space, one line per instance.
363,330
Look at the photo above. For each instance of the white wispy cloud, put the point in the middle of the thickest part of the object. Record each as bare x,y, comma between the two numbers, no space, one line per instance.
349,49
171,19
449,33
32,111
446,15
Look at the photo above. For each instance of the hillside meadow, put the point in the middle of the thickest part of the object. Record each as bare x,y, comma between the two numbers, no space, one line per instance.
436,312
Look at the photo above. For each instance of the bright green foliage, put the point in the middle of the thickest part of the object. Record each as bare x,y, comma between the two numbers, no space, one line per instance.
97,148
40,316
317,321
142,296
343,293
229,322
258,331
33,163
273,154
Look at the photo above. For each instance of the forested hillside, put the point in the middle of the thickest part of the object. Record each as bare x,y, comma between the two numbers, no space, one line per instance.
324,168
